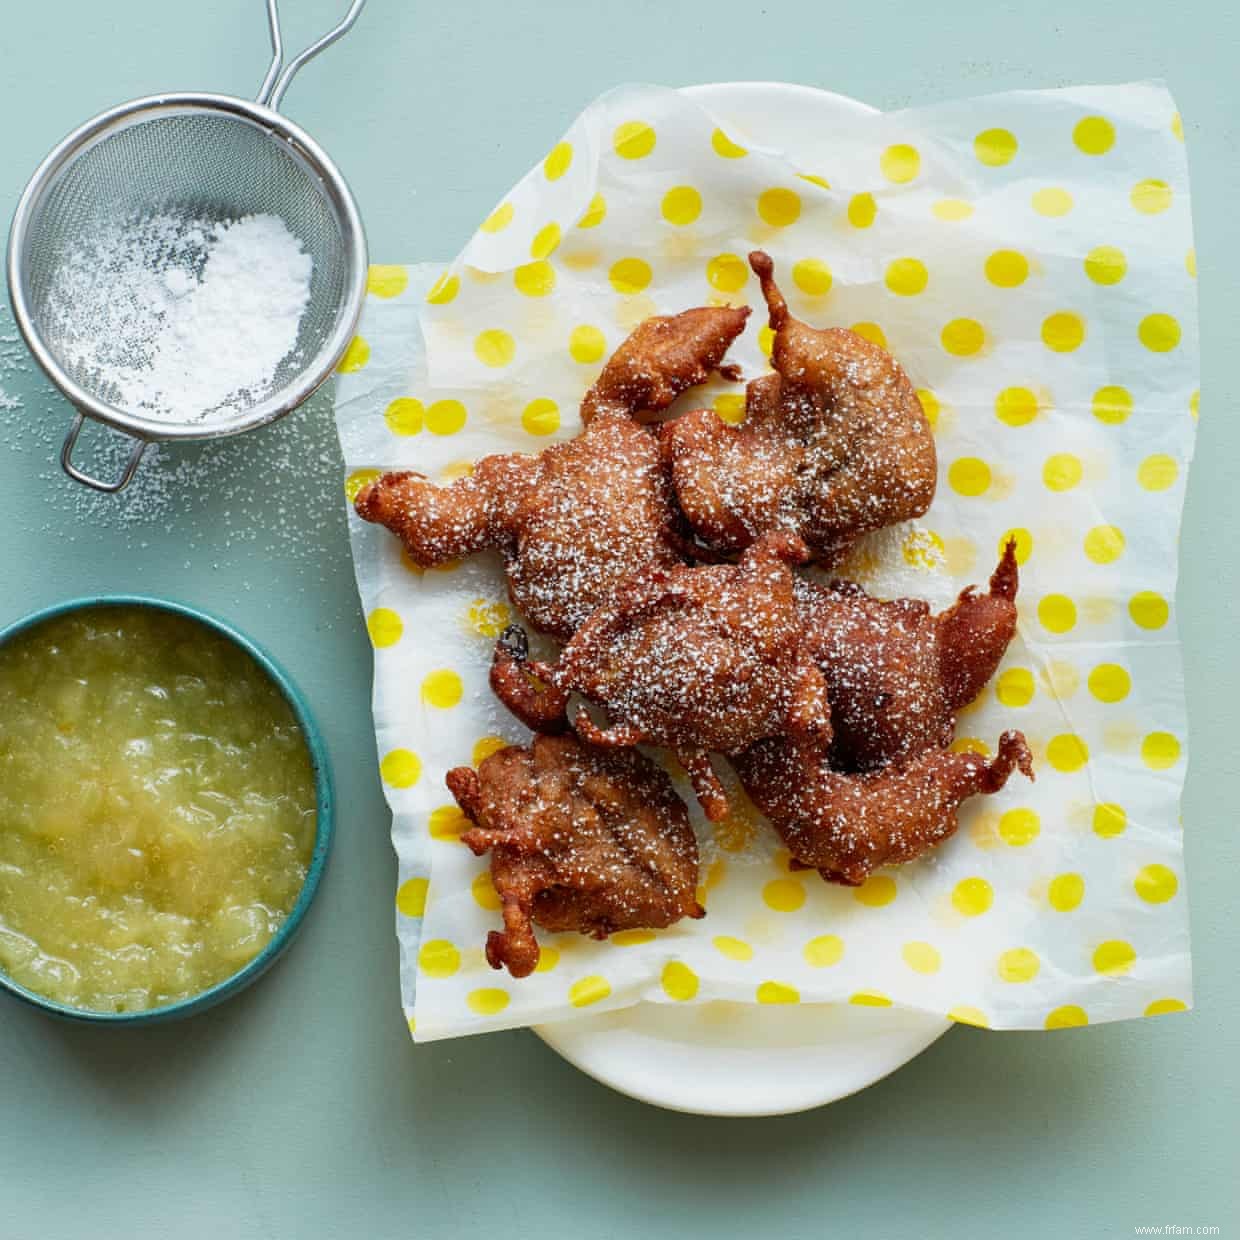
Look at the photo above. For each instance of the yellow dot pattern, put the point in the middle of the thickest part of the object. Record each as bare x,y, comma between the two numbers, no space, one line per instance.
485,747
1019,964
411,897
1051,201
679,981
1069,1016
439,958
495,347
484,893
1016,406
1073,437
595,213
900,163
862,210
1109,820
1057,613
1066,891
964,1014
963,337
1019,827
384,280
951,210
444,290
442,689
1151,197
630,275
995,147
1063,331
355,356
784,895
558,161
812,276
1015,687
729,273
487,1000
1105,264
541,417
385,626
725,148
1115,957
1163,1007
589,990
359,478
1112,405
587,344
1160,751
869,998
877,891
536,279
404,416
681,205
1104,544
1094,135
921,957
400,768
1007,269
824,951
779,207
777,992
972,897
1160,333
446,823
499,219
1067,752
731,948
1062,471
907,277
1155,883
634,140
546,241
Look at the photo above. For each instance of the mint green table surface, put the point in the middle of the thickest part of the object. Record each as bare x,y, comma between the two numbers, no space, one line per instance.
302,1109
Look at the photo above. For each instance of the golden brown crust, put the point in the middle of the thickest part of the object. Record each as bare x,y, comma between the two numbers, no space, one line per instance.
697,659
834,444
846,826
895,673
663,357
574,520
581,839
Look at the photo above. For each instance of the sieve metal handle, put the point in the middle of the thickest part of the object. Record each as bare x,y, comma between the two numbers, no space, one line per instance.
278,75
66,461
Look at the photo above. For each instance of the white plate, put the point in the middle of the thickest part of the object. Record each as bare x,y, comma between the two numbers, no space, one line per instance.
734,1058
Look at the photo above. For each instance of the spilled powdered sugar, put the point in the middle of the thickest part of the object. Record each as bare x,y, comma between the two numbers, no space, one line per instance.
271,493
178,319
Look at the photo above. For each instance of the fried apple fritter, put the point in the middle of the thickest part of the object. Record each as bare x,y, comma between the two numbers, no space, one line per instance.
573,520
581,838
696,659
846,826
896,674
834,443
664,356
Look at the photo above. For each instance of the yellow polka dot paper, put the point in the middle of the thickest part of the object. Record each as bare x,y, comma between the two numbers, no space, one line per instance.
1029,258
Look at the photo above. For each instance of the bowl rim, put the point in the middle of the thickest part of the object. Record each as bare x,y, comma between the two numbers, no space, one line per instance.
324,791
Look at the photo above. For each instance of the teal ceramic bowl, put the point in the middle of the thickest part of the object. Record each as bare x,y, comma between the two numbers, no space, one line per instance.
324,798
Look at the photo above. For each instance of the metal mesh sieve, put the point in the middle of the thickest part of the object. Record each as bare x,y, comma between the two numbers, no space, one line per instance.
199,157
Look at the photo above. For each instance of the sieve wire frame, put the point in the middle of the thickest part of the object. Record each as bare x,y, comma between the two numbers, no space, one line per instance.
323,177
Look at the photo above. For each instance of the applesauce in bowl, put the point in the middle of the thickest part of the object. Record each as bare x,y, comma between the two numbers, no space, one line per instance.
165,810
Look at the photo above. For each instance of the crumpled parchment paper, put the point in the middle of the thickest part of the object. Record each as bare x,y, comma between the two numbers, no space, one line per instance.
1028,258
